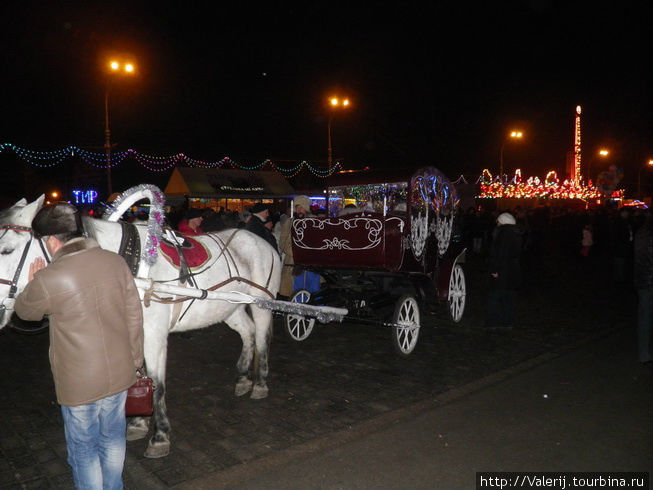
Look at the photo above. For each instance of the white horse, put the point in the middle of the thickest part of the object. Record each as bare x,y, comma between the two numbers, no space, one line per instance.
239,261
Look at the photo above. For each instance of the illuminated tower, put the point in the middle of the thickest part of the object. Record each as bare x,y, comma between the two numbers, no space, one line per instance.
576,176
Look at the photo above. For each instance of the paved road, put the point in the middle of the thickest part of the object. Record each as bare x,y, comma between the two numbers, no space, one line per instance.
342,378
587,410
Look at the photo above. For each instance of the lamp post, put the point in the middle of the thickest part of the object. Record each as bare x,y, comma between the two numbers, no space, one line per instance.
335,103
649,164
115,67
513,135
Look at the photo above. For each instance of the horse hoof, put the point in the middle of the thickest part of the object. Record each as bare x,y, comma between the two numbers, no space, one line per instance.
243,387
157,450
134,433
259,392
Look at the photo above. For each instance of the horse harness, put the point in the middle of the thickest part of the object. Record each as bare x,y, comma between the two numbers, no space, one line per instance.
130,251
130,246
13,283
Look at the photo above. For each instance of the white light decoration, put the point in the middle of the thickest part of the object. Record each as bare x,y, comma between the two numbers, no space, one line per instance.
576,176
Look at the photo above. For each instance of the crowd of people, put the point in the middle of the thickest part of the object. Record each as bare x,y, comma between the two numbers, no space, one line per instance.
620,238
592,234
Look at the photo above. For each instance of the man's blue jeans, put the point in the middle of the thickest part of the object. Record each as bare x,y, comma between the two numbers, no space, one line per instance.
644,324
96,443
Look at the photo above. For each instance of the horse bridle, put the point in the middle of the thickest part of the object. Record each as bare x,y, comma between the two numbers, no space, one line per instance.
13,283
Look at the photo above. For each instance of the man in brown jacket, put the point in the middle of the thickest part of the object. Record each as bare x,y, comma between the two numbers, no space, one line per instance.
96,341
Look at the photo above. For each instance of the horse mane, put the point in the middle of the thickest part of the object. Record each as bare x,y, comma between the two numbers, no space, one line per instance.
5,216
89,227
93,227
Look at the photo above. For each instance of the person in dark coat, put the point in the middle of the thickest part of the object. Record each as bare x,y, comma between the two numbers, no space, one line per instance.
622,246
643,282
256,224
505,272
212,222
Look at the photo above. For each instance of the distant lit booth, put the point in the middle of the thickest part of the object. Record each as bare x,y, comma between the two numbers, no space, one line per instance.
354,192
231,190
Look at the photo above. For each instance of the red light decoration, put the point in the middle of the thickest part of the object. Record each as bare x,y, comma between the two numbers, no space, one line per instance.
534,188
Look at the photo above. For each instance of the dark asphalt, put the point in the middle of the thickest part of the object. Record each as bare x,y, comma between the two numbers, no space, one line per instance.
343,379
587,410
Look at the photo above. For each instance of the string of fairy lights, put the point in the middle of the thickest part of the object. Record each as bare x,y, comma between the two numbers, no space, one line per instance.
533,187
48,159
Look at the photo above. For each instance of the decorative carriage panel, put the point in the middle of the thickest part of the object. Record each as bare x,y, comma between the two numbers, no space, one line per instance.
348,241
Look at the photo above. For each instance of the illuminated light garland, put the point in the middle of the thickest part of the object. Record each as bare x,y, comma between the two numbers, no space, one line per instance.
46,159
539,191
101,162
517,178
533,188
39,158
577,147
552,178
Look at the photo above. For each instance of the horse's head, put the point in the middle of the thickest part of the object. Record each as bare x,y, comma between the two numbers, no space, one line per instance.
15,234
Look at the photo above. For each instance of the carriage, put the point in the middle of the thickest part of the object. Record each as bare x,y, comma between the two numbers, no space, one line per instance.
389,248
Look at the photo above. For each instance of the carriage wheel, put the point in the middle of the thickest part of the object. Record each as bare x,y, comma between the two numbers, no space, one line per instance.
299,327
457,293
404,337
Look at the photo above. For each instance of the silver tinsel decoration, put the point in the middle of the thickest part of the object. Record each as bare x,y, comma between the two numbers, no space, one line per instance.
322,315
155,221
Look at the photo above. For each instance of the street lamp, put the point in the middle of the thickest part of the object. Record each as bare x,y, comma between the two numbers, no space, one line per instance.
513,135
649,164
335,103
602,153
116,67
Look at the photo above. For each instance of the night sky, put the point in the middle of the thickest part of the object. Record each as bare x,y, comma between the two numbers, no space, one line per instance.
438,85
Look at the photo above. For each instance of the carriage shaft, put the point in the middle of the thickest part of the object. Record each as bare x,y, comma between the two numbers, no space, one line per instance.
324,314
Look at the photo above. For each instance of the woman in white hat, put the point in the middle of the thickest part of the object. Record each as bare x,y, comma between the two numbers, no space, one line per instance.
505,272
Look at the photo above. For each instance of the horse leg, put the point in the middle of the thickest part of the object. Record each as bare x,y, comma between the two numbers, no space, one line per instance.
156,353
263,336
159,444
137,428
240,321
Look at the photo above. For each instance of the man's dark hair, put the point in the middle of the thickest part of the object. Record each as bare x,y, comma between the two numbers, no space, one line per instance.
61,220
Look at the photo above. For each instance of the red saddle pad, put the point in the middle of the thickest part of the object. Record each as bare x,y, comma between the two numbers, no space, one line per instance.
195,253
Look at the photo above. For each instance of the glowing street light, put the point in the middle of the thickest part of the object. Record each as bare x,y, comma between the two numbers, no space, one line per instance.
649,164
115,67
602,153
513,135
335,103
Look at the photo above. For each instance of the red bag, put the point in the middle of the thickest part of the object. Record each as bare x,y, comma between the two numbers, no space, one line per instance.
139,397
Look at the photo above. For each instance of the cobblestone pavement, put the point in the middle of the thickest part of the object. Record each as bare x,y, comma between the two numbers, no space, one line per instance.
342,375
